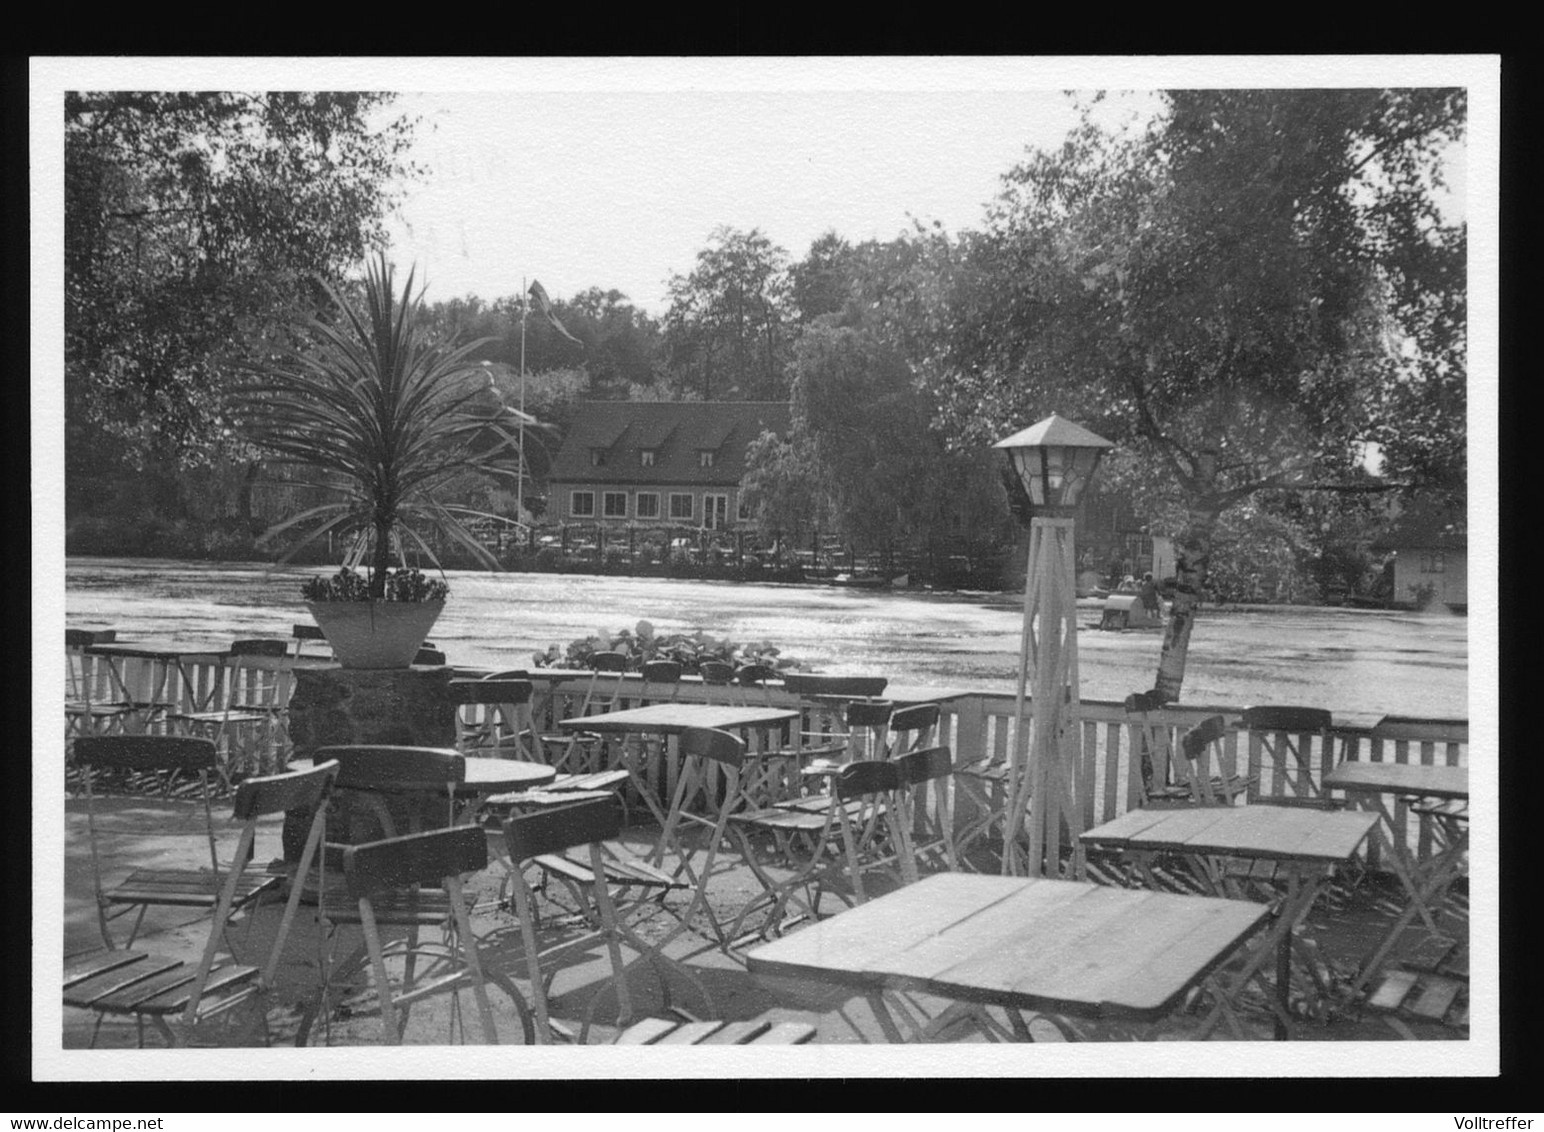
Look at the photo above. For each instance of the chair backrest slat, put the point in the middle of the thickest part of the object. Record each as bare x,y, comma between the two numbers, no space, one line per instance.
259,646
278,793
867,777
925,765
662,672
1285,718
418,858
869,713
715,672
1195,741
146,752
920,717
401,768
711,743
812,684
563,827
755,675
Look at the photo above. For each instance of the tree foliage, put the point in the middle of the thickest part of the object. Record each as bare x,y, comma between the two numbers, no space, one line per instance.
384,415
727,329
1230,291
194,220
1244,294
863,428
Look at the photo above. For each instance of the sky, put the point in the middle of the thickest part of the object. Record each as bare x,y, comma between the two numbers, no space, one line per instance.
614,172
622,190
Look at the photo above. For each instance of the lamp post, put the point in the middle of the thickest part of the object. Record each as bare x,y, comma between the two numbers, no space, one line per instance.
1055,460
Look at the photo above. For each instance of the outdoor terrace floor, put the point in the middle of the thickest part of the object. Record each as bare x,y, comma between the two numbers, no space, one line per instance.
139,832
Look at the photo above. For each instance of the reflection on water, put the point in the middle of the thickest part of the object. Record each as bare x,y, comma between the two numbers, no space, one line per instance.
1355,662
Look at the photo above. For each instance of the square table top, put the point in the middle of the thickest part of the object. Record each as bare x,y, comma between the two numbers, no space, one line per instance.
1284,833
673,718
1033,943
1399,778
906,695
154,650
485,776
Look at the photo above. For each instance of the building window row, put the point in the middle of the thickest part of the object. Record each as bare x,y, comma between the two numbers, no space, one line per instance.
682,504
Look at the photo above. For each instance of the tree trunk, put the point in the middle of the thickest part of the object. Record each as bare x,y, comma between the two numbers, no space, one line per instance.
244,497
380,561
1192,553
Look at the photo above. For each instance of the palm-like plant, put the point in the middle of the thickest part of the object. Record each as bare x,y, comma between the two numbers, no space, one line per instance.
387,416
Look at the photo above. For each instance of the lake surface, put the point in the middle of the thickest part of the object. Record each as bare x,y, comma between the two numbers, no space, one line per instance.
1357,663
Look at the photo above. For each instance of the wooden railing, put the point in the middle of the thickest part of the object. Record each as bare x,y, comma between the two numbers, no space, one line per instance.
1108,781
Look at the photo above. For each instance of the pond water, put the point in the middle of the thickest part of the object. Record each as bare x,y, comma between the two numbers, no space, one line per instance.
1361,664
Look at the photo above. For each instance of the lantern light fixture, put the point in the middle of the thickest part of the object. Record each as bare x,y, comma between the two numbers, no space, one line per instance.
1055,460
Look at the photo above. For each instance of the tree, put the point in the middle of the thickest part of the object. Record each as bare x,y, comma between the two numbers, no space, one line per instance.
862,431
195,220
1243,294
726,331
389,419
821,283
781,488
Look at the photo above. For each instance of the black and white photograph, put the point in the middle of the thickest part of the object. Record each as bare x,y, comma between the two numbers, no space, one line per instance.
913,565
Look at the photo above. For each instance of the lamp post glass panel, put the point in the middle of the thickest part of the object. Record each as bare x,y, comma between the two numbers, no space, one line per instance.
1055,460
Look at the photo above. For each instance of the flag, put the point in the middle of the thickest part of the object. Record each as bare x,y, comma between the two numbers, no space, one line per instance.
544,304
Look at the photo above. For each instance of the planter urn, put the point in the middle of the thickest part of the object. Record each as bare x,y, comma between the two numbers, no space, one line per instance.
375,634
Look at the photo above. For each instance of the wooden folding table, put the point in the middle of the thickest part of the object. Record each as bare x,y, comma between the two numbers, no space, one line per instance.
1226,844
1380,787
1061,948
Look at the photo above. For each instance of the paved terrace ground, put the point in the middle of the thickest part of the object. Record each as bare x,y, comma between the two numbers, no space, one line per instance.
142,831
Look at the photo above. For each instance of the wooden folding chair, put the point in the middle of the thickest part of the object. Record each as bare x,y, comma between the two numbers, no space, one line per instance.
88,706
582,752
718,682
248,727
1281,740
755,684
385,791
547,839
912,728
493,719
414,985
166,991
1201,777
860,830
170,757
638,887
661,675
680,1032
930,826
500,726
1437,994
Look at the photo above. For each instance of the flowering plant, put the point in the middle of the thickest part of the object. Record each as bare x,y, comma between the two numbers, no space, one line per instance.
406,584
642,644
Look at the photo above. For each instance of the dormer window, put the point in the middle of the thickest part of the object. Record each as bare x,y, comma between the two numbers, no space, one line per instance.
646,457
705,458
597,457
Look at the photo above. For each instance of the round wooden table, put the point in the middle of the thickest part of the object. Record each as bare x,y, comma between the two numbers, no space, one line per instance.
502,776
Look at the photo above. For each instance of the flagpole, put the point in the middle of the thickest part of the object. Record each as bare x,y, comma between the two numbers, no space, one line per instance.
525,306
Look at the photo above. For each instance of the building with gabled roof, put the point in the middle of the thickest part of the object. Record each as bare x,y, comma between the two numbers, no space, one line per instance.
1430,544
661,463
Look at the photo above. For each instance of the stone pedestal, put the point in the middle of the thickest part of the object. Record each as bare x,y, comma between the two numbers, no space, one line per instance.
335,706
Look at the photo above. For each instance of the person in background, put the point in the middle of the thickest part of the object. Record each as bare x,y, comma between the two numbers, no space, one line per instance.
1149,592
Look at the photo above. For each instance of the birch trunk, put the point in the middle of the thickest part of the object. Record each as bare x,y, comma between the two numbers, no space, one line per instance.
1192,553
